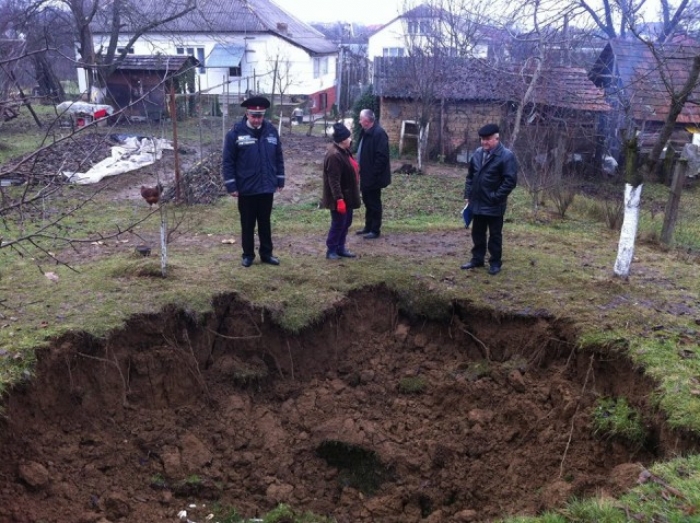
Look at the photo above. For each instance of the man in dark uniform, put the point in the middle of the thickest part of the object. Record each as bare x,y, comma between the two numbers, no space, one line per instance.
493,174
253,169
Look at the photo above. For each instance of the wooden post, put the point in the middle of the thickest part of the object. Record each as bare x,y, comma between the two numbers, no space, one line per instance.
674,199
173,115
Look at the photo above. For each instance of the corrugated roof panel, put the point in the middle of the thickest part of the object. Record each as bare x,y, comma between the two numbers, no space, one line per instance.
225,56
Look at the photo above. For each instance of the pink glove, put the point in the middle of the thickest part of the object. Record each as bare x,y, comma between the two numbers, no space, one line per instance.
340,206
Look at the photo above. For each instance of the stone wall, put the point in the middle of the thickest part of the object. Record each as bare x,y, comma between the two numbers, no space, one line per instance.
454,133
458,125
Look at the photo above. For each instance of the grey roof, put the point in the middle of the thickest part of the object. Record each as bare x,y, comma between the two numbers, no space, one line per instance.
448,78
222,17
629,69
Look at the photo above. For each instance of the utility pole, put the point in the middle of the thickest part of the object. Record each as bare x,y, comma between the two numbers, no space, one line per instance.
339,85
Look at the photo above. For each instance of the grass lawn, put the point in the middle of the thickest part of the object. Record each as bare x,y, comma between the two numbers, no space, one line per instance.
559,265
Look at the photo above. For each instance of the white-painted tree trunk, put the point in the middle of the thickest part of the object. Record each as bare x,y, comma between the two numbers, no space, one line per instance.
163,244
625,250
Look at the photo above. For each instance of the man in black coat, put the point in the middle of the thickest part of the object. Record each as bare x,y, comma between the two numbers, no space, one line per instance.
493,174
375,171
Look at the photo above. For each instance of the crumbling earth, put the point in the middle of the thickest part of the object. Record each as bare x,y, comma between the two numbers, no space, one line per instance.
372,416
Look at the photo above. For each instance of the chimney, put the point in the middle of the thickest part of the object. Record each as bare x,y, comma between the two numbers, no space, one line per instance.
282,27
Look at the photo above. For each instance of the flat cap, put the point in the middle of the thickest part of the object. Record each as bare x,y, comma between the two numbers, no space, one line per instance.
256,104
488,130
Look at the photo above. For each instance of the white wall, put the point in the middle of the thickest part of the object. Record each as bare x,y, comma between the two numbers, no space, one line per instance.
391,35
296,66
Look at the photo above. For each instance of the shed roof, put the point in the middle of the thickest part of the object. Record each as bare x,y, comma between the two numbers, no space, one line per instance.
222,16
566,88
475,80
635,76
160,63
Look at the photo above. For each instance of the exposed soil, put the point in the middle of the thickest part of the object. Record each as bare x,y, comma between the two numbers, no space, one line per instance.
373,415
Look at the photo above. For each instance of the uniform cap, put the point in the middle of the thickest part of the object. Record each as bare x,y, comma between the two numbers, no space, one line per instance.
256,104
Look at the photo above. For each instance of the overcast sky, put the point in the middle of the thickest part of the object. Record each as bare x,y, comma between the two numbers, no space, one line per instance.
368,12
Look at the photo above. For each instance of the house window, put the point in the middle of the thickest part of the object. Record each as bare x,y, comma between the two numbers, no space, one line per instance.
419,27
320,66
196,52
323,100
393,51
234,71
120,50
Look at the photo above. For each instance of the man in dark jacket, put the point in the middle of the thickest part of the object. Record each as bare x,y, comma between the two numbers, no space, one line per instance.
493,174
375,171
253,169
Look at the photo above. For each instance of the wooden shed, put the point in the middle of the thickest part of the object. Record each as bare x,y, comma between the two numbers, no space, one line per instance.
454,97
141,84
640,85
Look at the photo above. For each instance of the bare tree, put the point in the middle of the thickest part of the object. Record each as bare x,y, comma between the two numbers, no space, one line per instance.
437,33
125,21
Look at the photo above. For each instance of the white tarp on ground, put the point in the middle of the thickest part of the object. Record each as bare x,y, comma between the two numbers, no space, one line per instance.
83,108
134,153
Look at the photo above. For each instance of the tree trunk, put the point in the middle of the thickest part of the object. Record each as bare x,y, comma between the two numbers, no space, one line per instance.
674,199
49,85
633,194
625,250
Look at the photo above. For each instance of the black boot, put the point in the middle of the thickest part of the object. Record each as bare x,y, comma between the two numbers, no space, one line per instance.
332,254
344,253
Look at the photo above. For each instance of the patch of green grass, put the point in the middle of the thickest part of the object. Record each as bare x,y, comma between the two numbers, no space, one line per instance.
412,385
285,514
615,418
669,491
477,369
158,482
225,514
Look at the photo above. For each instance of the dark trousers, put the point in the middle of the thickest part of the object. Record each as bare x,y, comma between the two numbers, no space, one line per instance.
494,225
340,223
373,210
254,209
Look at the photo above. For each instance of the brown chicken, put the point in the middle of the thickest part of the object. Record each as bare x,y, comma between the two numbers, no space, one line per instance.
151,194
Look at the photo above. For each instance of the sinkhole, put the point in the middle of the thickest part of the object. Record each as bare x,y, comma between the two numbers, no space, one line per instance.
373,414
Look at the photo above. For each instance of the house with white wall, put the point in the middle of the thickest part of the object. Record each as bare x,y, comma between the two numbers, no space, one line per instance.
242,47
428,29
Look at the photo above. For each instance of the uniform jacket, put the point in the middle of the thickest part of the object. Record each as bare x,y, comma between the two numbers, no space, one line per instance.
490,181
339,179
252,159
375,164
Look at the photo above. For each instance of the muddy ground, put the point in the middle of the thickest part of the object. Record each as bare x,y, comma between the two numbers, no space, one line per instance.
371,416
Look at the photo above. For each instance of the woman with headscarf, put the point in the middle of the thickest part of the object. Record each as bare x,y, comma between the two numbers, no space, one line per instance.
341,193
